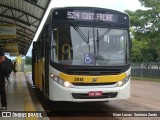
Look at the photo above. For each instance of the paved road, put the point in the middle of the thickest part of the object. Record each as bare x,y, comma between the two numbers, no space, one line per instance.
145,96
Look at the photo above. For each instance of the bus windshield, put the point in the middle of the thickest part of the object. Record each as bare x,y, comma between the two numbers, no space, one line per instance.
89,46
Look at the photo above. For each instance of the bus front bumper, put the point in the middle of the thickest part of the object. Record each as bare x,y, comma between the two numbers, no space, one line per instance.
60,93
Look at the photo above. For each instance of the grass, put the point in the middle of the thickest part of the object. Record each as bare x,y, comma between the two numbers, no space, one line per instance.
146,79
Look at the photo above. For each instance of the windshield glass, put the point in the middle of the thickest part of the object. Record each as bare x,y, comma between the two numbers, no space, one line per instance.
91,46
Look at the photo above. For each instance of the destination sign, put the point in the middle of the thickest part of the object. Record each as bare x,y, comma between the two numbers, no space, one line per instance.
90,16
97,16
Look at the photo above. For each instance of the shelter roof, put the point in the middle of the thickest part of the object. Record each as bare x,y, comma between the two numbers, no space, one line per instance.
26,15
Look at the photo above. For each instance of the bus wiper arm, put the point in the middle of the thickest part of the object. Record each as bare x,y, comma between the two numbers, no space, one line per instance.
102,36
81,34
97,42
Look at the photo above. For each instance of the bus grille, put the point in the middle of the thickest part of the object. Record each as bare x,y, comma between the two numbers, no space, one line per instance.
93,71
93,84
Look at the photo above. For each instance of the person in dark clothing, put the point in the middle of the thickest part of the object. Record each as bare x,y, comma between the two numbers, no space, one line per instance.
2,83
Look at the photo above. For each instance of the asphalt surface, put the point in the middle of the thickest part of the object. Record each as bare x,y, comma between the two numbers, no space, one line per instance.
144,104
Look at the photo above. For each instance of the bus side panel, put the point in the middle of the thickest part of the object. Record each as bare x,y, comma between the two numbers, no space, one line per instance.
40,66
46,68
36,75
35,67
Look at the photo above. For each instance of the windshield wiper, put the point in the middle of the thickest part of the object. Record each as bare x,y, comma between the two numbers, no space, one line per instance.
86,40
81,34
102,36
97,42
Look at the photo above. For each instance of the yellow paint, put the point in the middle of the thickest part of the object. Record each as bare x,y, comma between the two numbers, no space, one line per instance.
41,71
19,60
89,79
40,74
28,104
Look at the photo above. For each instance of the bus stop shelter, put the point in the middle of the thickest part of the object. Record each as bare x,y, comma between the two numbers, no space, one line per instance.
19,21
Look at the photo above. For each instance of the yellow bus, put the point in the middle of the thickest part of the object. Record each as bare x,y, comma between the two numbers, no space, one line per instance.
83,54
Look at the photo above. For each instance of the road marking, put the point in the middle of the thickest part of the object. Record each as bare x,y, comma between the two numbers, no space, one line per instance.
151,105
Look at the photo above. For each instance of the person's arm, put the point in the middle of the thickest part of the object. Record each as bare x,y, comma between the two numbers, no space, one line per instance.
2,59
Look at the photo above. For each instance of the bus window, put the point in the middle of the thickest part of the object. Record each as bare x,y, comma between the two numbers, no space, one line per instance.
62,47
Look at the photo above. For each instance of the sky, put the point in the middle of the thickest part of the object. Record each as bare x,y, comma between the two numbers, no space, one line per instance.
119,5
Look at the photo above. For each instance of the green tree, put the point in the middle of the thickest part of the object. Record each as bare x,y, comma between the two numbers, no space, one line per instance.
28,60
146,28
137,48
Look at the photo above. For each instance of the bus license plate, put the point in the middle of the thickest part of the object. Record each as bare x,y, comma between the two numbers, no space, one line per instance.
95,93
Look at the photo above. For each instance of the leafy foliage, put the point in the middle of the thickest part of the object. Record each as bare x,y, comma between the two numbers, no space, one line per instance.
28,60
146,31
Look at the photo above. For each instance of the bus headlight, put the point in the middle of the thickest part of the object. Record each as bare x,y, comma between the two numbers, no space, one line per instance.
60,81
123,82
67,84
